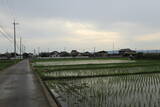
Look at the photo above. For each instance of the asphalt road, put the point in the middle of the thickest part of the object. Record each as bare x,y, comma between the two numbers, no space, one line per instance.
19,87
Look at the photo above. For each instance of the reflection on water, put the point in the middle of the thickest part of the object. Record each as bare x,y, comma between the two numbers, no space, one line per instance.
96,72
76,62
122,91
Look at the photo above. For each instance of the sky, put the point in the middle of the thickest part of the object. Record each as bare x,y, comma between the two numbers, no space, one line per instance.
81,24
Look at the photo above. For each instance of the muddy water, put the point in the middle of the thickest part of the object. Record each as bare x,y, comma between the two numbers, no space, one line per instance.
123,91
82,62
95,72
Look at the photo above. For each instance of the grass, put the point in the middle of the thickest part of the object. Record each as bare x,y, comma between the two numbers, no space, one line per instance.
120,91
6,63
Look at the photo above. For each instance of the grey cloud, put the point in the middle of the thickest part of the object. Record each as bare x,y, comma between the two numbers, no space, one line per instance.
130,18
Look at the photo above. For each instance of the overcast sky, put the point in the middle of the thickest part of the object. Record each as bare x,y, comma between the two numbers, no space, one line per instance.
82,24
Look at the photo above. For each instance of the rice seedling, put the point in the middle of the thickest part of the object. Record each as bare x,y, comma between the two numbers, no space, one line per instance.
124,91
135,84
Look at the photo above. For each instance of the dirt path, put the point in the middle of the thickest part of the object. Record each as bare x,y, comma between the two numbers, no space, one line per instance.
20,88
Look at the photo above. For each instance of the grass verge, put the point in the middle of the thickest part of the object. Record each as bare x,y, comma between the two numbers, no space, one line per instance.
6,63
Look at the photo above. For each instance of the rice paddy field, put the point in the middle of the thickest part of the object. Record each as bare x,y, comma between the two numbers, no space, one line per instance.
102,82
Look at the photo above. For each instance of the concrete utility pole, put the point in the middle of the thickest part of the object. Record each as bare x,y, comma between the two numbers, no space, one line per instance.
24,49
38,51
14,24
34,52
113,47
20,48
48,50
94,49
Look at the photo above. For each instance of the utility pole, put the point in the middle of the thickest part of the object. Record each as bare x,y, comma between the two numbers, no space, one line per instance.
64,48
14,24
24,49
113,47
48,50
20,48
38,50
34,52
94,50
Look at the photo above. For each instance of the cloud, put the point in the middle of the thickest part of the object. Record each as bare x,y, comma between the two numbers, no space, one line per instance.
93,36
84,24
154,37
57,33
63,32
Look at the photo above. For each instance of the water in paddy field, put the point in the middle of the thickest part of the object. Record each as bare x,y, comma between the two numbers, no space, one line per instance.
102,72
82,62
120,91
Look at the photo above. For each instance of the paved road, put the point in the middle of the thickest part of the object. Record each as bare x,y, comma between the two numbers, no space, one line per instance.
19,87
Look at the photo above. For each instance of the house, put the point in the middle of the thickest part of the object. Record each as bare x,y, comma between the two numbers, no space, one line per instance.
101,54
127,52
44,54
5,56
87,54
64,54
54,54
74,53
27,55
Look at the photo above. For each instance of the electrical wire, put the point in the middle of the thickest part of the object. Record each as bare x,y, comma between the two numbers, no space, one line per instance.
10,10
4,35
3,32
11,41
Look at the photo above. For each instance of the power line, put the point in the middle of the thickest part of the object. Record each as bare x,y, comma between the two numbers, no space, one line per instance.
4,35
10,40
9,35
10,10
7,39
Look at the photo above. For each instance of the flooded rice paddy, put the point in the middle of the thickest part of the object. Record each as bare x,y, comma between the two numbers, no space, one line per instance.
120,91
100,72
103,85
50,63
